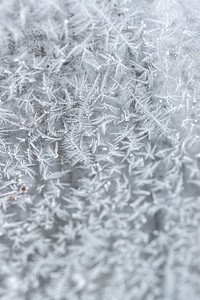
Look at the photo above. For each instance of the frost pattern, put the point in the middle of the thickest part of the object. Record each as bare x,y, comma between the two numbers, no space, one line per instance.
99,150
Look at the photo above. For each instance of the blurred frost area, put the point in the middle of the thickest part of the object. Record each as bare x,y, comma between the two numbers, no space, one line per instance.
99,150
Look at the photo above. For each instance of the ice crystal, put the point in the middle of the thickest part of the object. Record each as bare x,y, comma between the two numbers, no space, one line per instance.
99,150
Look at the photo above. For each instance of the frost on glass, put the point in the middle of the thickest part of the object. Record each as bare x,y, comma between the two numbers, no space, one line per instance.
99,150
